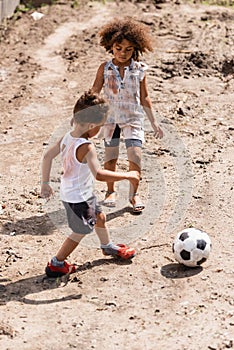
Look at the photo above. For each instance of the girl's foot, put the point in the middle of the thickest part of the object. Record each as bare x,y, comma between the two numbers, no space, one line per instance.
136,202
110,199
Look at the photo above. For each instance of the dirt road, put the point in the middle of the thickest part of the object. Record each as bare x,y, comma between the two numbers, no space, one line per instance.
151,303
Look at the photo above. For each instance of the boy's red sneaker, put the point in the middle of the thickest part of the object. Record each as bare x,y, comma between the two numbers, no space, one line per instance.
123,251
55,271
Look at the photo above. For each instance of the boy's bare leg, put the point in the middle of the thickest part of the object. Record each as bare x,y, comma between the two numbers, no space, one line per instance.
109,248
68,246
101,229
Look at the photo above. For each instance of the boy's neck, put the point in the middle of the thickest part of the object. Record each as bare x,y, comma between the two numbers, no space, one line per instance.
79,132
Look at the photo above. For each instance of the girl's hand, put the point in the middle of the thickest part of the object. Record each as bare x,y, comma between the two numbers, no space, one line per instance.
158,133
46,191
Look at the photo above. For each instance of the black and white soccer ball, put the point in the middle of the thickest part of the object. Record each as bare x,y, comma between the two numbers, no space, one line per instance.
191,247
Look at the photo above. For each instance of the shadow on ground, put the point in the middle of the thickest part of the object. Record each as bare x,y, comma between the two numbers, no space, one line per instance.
18,290
174,271
34,225
48,223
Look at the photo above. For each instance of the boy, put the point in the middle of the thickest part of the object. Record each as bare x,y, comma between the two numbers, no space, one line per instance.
80,168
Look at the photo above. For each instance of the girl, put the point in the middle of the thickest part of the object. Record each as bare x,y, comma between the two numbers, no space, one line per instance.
123,80
80,167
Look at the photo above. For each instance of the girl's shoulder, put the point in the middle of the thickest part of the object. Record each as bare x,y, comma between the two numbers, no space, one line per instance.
101,69
141,65
139,68
102,65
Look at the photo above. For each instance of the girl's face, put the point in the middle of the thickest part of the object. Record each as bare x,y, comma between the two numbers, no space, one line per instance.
122,52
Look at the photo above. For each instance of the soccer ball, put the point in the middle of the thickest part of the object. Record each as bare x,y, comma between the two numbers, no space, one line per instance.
191,247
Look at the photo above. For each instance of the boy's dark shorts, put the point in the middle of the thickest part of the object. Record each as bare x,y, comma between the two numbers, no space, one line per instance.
81,216
114,142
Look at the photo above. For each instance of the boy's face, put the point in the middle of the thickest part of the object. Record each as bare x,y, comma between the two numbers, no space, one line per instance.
123,52
94,129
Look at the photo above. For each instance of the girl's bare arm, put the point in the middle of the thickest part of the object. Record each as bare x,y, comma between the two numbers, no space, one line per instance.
147,105
99,80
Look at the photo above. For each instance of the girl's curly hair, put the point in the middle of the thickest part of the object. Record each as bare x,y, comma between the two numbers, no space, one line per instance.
135,32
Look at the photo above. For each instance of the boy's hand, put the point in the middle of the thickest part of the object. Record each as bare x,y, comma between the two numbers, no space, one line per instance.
134,177
46,191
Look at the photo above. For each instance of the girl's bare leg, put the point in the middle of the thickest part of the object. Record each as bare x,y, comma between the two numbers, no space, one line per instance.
134,158
111,157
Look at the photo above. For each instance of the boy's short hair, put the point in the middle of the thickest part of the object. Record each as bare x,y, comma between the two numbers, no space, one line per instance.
90,108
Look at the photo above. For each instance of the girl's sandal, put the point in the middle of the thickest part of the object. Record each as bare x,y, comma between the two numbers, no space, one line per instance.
138,207
110,200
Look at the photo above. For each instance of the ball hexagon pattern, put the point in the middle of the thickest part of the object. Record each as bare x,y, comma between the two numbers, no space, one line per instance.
191,247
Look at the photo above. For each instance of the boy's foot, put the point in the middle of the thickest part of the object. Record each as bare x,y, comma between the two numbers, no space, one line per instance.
110,199
55,271
136,202
121,251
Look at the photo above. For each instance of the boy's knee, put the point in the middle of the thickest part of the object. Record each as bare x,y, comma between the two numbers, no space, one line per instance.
101,219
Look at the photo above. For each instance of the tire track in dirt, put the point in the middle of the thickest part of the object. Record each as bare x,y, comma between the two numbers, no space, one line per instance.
54,68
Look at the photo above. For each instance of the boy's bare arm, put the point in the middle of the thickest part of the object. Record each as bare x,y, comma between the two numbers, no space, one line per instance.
50,154
107,175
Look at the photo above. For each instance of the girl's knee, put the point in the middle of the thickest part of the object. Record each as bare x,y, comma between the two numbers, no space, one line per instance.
134,156
111,161
135,165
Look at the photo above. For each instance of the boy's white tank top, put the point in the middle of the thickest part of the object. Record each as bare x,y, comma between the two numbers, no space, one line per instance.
77,181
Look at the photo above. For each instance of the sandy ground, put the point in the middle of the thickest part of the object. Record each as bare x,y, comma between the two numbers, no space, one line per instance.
152,303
